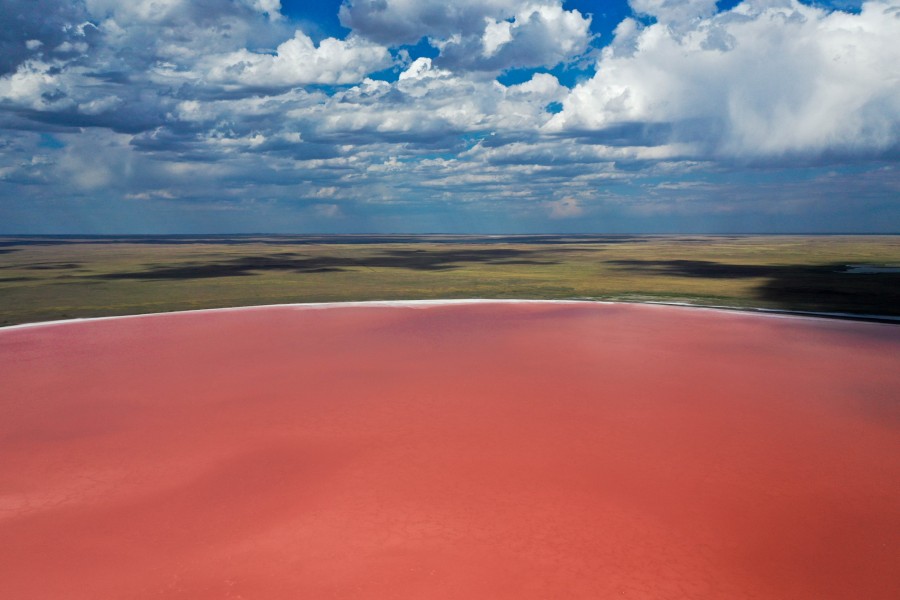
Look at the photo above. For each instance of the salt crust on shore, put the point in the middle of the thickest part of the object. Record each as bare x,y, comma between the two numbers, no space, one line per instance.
449,302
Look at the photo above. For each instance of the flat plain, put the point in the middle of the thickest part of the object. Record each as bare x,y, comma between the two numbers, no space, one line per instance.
57,277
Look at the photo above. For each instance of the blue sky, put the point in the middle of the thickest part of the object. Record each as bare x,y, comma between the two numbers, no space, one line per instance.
218,116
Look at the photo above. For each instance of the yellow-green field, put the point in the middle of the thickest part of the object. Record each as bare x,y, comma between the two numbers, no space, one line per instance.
46,278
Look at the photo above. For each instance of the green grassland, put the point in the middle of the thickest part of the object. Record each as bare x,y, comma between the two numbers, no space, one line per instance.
46,278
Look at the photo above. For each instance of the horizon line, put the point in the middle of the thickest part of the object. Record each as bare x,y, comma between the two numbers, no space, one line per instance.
454,234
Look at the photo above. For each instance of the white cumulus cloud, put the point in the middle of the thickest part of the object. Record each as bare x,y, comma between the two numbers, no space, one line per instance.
489,35
269,7
537,35
768,78
299,61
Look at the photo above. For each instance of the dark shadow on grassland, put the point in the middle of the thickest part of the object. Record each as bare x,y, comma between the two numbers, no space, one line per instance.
420,260
41,266
823,288
306,240
695,268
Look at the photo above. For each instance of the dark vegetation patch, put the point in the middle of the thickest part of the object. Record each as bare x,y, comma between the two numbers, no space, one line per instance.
796,287
828,290
421,260
53,266
695,268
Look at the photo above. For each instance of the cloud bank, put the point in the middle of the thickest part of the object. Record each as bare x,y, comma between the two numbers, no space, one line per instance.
769,78
229,114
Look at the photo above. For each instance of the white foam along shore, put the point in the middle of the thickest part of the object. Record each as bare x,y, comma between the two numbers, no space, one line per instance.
766,312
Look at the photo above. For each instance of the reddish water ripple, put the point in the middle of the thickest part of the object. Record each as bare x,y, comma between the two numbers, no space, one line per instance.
451,452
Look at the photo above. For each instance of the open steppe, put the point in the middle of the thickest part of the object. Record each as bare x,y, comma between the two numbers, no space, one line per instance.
47,278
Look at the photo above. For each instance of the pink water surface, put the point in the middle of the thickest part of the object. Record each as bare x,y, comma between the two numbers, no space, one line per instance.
495,451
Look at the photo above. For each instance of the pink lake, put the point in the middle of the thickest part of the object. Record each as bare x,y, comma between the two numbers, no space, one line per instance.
451,451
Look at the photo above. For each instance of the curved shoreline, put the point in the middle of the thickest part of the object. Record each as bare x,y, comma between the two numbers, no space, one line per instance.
768,312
